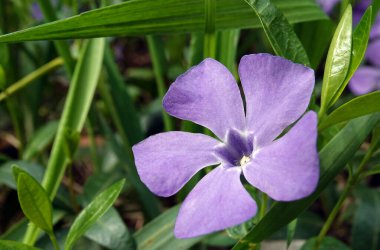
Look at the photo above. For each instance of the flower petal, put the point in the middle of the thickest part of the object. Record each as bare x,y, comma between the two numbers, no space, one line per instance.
327,5
218,201
277,93
365,80
207,94
166,161
373,52
288,169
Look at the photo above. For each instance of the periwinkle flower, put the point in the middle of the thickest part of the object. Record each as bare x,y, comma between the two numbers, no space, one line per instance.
277,92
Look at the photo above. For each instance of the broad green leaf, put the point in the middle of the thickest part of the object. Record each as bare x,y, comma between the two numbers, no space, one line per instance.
111,232
97,208
280,33
328,243
13,245
40,140
359,106
34,201
366,223
333,158
158,234
147,17
338,60
359,45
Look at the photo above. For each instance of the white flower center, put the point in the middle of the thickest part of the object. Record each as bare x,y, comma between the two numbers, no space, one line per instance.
244,160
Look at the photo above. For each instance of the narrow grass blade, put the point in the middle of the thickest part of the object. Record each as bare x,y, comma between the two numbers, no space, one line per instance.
92,213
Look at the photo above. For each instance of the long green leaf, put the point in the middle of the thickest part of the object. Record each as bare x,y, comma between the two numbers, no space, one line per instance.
34,201
12,245
158,234
338,60
144,17
81,92
280,33
359,106
359,45
92,213
333,158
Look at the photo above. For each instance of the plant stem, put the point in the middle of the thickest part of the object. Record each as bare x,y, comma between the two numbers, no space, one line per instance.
54,241
352,181
25,81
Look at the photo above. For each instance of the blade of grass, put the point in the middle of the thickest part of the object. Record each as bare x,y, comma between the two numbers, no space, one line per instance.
161,17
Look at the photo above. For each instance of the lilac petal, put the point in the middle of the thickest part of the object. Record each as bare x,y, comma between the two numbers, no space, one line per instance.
288,169
375,31
218,201
365,80
277,93
166,161
207,94
373,52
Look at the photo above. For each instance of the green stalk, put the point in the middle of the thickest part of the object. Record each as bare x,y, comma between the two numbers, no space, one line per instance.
158,61
209,46
25,81
352,181
81,92
61,46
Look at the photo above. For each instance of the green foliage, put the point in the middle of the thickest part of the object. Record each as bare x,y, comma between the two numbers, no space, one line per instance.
366,223
328,243
158,234
34,201
280,33
146,17
338,60
13,245
96,209
359,106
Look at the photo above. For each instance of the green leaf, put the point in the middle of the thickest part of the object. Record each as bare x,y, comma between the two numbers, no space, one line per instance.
111,232
359,45
158,234
366,223
280,33
34,201
40,140
6,174
147,17
333,158
13,245
328,243
97,208
359,106
291,230
338,60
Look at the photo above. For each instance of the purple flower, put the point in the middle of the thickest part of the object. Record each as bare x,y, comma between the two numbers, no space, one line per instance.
277,92
328,5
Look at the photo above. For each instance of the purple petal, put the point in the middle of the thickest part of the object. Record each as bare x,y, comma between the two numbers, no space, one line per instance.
373,52
218,201
277,93
327,5
288,169
207,94
365,80
166,161
375,31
